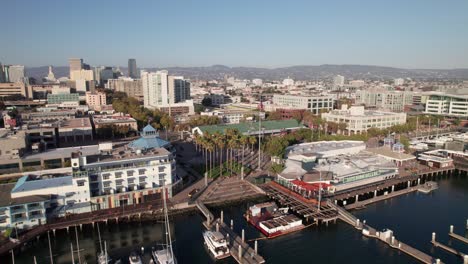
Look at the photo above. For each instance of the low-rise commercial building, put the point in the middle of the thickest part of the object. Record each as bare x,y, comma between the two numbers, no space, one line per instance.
315,104
358,120
118,119
447,104
18,88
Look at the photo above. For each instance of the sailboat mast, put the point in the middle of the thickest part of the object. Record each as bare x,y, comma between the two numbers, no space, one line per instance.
167,225
77,245
72,254
99,235
50,249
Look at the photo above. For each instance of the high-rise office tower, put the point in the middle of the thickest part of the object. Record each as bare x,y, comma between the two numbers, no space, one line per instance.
179,89
132,69
2,74
16,73
6,73
338,80
75,64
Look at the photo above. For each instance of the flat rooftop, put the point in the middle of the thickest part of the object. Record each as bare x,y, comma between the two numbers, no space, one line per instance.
28,183
82,122
121,152
388,153
6,200
322,146
345,165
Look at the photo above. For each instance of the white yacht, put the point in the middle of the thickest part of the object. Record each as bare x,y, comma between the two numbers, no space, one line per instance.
217,244
134,258
166,254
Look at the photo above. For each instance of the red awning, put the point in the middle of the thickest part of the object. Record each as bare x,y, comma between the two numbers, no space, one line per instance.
310,186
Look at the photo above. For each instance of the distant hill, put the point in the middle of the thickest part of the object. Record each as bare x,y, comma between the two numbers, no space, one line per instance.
295,72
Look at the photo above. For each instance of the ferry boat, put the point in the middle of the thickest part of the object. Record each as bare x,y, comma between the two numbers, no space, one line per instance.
216,244
134,258
273,221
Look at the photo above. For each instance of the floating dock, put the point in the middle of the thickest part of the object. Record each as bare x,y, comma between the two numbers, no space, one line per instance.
238,247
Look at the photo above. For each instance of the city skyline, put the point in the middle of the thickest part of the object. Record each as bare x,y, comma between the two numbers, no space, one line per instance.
420,34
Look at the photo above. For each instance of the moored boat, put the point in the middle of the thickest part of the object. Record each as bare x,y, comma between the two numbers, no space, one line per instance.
216,244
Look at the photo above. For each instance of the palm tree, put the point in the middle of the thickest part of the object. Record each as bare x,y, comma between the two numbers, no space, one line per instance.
232,143
244,140
219,142
252,141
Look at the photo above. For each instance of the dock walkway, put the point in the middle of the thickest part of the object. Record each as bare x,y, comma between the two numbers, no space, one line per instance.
238,247
369,231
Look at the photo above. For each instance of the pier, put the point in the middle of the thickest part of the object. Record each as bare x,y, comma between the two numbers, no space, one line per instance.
369,231
306,208
458,237
239,249
449,249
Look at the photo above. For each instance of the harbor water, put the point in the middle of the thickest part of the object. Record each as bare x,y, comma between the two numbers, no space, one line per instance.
413,217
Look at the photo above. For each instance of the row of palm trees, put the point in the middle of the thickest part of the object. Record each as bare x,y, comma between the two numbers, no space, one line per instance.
212,147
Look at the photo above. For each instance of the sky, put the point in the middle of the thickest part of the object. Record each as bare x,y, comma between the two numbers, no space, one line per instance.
255,33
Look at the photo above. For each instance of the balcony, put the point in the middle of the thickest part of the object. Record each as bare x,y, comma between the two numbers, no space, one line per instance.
17,210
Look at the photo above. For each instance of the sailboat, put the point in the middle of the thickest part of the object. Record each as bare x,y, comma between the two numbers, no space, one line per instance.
165,255
103,257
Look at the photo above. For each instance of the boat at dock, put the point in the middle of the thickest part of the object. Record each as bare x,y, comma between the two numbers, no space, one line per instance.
135,258
216,244
428,187
165,255
273,221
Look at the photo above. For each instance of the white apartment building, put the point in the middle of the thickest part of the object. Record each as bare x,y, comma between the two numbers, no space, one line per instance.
447,104
288,82
315,104
359,120
399,81
384,99
16,73
155,88
338,80
257,82
162,90
87,75
128,174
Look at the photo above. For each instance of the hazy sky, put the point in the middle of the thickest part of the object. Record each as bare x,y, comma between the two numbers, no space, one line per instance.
400,33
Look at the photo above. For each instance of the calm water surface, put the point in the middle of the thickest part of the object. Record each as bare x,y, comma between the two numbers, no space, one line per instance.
412,217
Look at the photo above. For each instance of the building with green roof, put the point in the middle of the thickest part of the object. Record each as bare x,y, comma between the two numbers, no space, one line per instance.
252,128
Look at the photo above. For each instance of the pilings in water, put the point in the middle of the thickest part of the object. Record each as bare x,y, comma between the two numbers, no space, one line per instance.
448,249
456,236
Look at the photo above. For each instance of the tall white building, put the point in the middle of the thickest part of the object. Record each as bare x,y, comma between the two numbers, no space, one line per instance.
288,82
16,73
257,82
338,80
155,88
161,90
399,81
